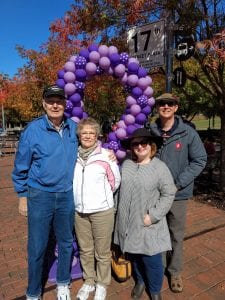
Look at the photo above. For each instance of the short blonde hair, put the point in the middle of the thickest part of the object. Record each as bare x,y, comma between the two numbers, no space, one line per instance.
90,122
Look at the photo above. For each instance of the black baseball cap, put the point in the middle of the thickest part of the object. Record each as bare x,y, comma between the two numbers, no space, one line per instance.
53,90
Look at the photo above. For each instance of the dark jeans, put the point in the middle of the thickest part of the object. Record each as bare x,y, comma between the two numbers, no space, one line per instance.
46,209
149,270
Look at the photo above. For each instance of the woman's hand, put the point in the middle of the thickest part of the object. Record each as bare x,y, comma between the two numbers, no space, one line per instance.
147,219
23,206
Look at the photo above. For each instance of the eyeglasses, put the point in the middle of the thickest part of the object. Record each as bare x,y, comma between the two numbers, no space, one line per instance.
85,133
169,103
143,144
54,101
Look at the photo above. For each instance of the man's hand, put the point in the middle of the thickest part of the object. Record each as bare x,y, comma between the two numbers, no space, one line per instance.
23,206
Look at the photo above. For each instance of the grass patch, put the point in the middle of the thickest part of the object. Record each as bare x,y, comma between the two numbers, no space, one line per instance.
203,124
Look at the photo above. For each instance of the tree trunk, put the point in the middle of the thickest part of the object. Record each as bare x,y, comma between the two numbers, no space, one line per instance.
222,152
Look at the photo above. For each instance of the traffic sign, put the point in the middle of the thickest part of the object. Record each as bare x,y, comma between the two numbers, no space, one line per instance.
185,47
179,77
147,44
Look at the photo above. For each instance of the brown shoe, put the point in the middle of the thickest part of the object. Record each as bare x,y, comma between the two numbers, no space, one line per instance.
176,284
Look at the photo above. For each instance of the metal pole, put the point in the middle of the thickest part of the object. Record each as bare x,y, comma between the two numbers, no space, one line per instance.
169,52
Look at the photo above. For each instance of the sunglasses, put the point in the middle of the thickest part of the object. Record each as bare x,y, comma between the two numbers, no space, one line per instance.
143,143
169,103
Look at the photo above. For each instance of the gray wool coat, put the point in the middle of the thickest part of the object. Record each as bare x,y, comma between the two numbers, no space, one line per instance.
144,189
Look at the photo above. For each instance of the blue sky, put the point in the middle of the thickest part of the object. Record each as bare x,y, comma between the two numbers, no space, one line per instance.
26,23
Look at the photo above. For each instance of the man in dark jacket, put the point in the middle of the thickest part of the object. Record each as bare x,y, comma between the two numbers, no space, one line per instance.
43,178
185,155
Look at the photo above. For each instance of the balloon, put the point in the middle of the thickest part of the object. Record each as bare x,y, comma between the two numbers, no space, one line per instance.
69,88
119,70
67,114
60,82
69,66
85,115
85,53
103,50
93,47
124,79
113,145
94,57
75,119
77,112
130,100
121,124
146,110
80,62
75,98
112,136
104,63
149,80
114,58
60,74
142,83
124,58
148,91
151,101
80,74
132,79
91,68
140,118
133,67
142,101
112,49
121,133
135,109
136,92
69,77
129,119
110,71
142,72
130,129
79,85
105,145
120,154
73,58
99,70
69,106
132,59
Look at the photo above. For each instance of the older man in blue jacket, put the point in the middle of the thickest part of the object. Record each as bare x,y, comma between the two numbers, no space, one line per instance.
43,178
185,155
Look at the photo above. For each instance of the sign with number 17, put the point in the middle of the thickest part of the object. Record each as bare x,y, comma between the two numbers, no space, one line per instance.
147,44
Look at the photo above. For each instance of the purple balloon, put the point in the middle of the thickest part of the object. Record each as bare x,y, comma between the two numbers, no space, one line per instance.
69,88
129,119
85,115
91,68
69,77
114,58
130,129
93,47
121,124
85,53
75,98
149,80
142,72
121,133
80,74
110,71
132,59
132,79
80,62
142,83
130,101
142,101
112,136
69,66
94,57
69,106
120,154
73,58
124,58
103,50
136,92
146,110
151,101
119,70
148,91
80,85
133,68
60,82
77,112
124,78
112,49
104,62
113,145
140,118
99,70
75,119
135,109
105,145
60,74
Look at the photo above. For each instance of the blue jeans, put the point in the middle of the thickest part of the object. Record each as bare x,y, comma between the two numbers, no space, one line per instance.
149,270
44,210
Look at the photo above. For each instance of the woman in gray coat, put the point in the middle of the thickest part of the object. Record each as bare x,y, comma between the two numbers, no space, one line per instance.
146,194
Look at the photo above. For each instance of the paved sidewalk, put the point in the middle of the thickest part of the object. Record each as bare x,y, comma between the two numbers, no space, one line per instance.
204,249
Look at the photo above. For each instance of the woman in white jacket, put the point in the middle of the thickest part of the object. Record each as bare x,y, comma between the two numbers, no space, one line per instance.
95,180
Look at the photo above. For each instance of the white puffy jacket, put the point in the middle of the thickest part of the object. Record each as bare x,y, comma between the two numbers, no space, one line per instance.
95,181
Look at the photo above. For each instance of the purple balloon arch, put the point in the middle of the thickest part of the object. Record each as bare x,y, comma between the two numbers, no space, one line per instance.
101,59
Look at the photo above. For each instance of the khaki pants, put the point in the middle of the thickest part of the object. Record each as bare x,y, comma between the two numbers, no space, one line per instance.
94,235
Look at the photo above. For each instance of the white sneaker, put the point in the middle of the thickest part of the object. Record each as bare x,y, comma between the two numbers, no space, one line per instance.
63,292
100,293
84,291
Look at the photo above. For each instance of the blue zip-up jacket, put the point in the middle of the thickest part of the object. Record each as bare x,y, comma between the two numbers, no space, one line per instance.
45,160
184,154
